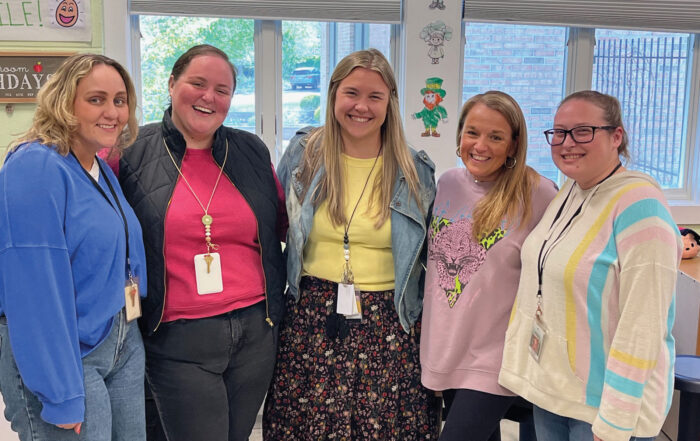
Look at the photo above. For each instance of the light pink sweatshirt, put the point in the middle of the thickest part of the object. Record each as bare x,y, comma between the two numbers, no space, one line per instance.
470,287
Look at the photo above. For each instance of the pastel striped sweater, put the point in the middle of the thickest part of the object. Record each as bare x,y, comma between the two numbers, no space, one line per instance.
608,302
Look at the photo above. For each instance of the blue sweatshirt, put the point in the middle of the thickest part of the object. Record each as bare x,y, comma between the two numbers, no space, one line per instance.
62,271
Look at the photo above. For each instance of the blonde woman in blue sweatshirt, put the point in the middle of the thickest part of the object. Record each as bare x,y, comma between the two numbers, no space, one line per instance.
71,355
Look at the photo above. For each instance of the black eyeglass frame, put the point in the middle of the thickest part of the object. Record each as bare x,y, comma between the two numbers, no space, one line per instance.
570,132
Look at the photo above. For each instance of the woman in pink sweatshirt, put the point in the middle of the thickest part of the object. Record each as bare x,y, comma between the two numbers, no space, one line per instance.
481,216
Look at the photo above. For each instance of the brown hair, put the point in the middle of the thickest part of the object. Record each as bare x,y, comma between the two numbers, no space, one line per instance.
195,51
510,197
54,122
612,113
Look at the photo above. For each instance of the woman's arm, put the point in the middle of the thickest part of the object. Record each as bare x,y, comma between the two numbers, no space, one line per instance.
648,249
282,220
36,284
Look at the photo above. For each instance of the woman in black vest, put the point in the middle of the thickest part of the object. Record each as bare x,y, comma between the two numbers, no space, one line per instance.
213,213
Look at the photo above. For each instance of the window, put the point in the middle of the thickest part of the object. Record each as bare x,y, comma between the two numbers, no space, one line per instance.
310,52
165,38
648,73
526,62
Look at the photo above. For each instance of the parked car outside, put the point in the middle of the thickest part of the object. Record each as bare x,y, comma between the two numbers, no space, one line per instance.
305,77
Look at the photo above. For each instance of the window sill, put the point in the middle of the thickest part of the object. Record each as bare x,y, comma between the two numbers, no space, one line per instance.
685,213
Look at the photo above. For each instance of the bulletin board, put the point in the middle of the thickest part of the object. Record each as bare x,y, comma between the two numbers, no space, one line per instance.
23,73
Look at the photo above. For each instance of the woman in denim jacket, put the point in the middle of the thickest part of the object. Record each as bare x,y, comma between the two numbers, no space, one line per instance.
358,200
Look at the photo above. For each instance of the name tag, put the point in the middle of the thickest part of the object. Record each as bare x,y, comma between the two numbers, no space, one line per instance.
207,270
537,339
348,302
132,299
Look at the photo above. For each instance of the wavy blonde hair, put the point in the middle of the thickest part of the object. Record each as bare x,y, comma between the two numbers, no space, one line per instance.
325,145
54,120
510,196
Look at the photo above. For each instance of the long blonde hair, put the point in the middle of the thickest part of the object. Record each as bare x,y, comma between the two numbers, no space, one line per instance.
510,196
324,145
54,121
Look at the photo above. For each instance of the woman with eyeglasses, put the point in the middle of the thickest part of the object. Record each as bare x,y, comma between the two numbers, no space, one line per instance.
589,342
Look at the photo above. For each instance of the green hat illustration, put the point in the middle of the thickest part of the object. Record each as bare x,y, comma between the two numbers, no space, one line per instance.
433,85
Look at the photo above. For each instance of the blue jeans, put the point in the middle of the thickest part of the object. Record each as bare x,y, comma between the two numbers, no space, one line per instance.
553,427
209,376
113,374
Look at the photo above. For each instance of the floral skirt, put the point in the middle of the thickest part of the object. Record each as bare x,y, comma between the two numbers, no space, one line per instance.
339,379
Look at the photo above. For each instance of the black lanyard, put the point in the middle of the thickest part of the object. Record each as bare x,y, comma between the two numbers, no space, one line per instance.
542,258
116,199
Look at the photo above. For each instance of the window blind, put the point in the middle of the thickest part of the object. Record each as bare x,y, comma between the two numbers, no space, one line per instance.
666,15
368,11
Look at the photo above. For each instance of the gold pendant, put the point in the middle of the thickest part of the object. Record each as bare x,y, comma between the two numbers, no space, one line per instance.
207,220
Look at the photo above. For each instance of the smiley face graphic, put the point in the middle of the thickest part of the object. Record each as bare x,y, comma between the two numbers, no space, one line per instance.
67,13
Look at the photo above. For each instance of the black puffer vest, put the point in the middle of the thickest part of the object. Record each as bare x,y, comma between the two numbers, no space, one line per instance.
148,179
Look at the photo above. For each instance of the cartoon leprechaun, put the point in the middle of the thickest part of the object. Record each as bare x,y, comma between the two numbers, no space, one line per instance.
433,112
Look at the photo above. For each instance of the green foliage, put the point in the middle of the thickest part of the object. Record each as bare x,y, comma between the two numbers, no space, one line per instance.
164,39
314,61
310,102
300,43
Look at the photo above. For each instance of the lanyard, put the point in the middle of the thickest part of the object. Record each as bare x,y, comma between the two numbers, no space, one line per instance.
348,276
542,257
116,199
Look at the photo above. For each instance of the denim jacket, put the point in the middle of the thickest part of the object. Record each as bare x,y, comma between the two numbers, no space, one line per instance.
408,226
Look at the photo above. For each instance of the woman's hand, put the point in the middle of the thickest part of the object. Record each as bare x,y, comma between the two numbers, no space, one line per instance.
74,426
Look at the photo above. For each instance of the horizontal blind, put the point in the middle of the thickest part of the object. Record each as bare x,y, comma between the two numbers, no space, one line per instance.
662,15
377,11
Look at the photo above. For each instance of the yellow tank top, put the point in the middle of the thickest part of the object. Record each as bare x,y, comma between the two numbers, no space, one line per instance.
370,248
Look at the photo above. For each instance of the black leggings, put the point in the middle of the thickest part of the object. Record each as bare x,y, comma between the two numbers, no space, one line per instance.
473,415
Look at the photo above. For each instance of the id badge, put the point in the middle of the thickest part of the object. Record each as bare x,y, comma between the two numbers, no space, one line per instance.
207,270
356,308
132,299
346,299
537,339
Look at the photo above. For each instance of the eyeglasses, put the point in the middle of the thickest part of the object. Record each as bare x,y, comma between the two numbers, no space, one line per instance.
580,134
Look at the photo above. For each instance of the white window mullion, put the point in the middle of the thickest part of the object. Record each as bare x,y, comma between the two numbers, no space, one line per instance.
134,44
268,84
579,61
396,59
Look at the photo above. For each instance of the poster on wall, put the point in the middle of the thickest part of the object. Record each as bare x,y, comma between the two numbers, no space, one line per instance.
23,73
45,20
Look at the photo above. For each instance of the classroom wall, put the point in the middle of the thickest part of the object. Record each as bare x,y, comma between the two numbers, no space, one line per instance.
16,122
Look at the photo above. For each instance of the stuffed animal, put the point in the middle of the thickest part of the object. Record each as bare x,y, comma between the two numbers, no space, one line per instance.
691,243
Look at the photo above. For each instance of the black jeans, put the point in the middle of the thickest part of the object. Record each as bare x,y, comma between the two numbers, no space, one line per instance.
473,415
209,376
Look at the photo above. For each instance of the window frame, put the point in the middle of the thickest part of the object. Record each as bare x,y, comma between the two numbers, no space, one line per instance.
267,41
684,201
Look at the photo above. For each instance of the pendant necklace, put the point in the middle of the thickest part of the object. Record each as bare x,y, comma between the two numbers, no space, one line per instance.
207,219
348,277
